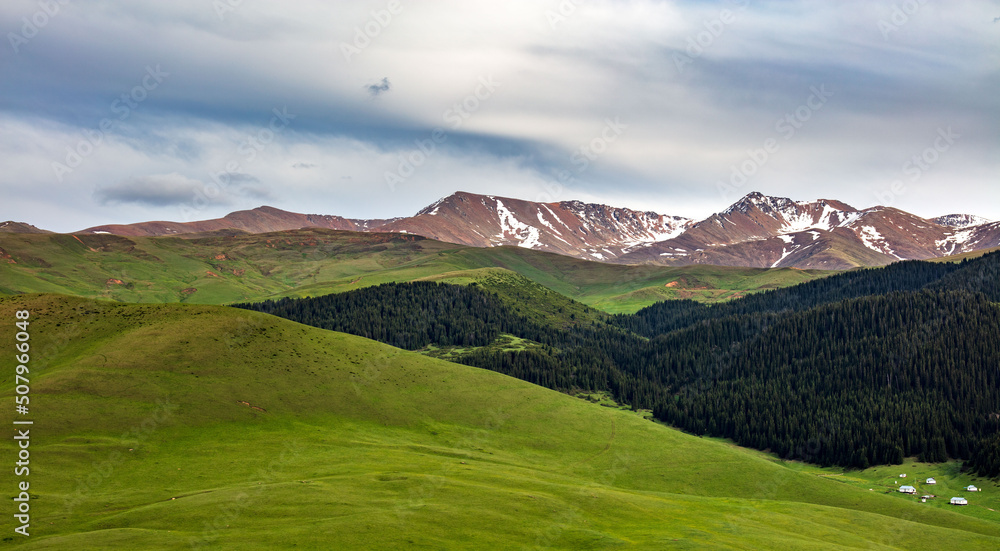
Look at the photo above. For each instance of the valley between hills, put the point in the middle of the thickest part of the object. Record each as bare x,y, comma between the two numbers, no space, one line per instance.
553,276
381,389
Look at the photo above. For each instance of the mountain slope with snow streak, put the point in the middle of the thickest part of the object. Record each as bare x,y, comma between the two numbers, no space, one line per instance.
572,228
757,231
770,232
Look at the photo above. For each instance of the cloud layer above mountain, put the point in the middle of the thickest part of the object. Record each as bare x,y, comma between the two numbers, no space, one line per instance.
123,111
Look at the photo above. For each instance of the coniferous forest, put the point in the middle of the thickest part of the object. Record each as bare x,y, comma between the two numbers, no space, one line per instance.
858,369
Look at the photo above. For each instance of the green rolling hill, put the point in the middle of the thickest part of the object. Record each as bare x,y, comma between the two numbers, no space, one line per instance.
897,362
188,426
231,266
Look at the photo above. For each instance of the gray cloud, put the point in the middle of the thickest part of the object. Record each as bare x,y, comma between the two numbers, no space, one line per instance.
157,190
379,88
557,84
241,180
166,190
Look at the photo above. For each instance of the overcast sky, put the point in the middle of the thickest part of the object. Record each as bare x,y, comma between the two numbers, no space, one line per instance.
124,111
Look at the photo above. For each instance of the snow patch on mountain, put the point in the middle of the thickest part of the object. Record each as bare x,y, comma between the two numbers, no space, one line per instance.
556,233
786,251
556,217
784,255
956,242
870,237
851,218
798,218
432,209
668,229
654,228
528,235
961,221
874,241
541,218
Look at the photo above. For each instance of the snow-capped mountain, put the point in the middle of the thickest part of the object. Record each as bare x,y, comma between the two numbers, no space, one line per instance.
961,221
573,228
768,232
756,231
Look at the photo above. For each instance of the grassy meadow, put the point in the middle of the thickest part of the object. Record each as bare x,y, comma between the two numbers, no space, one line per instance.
192,426
237,267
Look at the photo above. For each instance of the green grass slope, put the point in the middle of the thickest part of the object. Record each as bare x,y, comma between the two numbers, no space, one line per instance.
949,479
206,270
185,426
963,256
524,296
234,267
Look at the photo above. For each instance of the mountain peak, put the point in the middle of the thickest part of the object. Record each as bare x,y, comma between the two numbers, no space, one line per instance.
758,230
770,204
758,200
574,228
270,210
11,226
960,221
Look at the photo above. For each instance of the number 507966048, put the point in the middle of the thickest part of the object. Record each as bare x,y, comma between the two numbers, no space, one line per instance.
22,346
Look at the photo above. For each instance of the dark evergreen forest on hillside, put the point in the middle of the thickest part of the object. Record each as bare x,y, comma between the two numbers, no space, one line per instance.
858,369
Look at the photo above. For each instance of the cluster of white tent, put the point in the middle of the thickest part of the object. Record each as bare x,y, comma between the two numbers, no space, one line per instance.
954,500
